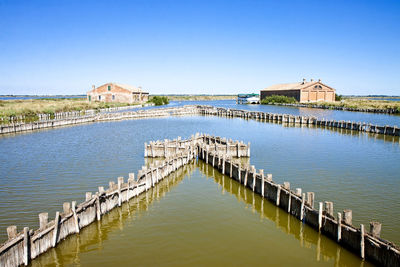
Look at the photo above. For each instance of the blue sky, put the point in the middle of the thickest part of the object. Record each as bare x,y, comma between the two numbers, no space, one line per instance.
198,47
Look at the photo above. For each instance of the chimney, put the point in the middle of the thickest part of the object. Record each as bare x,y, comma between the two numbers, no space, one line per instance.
304,81
319,80
93,86
311,80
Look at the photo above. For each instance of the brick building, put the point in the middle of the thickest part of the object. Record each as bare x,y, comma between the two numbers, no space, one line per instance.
303,92
115,92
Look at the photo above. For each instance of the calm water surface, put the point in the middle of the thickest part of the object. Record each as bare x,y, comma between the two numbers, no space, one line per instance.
198,217
41,170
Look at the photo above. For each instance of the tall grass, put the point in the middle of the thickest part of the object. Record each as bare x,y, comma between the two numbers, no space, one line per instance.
31,107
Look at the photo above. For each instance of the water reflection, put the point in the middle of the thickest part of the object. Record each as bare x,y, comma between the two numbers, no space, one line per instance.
326,249
93,237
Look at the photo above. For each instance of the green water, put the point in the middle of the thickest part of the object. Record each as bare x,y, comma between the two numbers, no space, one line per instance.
196,220
198,217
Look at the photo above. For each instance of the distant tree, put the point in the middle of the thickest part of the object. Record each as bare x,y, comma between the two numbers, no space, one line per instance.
338,97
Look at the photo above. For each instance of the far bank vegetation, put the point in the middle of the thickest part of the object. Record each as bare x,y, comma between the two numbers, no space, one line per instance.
29,108
341,101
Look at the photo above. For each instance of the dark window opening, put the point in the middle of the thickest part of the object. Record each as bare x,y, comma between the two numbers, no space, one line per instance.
113,97
109,87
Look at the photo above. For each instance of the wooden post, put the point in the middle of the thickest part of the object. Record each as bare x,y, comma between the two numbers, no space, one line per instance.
132,176
310,199
262,182
286,185
66,207
239,172
12,231
298,191
329,207
120,182
43,220
26,246
98,208
88,196
245,177
269,177
339,229
56,226
303,199
278,195
289,201
375,229
223,164
254,179
348,217
75,216
320,216
230,167
362,244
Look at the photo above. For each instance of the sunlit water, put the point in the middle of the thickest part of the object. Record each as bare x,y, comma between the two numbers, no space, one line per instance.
41,170
197,217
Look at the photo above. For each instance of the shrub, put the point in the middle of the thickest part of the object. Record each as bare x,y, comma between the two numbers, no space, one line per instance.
338,97
278,99
159,100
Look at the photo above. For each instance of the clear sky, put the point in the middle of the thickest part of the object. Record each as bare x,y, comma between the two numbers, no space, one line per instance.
198,47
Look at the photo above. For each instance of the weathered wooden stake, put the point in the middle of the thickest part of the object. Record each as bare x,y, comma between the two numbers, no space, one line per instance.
303,199
26,246
66,207
298,191
262,182
223,164
375,229
278,195
56,226
362,244
310,199
320,216
98,208
43,220
75,216
348,217
88,196
12,231
339,229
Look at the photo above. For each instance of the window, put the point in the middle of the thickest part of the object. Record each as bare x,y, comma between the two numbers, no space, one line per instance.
90,98
113,97
109,87
99,97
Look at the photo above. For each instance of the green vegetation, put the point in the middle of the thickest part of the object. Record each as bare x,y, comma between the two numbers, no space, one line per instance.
31,107
359,103
338,97
278,99
159,100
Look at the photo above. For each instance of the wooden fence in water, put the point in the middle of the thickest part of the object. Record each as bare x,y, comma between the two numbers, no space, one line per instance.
201,110
24,246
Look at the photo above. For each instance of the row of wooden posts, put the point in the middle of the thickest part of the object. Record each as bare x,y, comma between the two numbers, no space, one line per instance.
27,245
16,127
302,120
22,247
301,205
